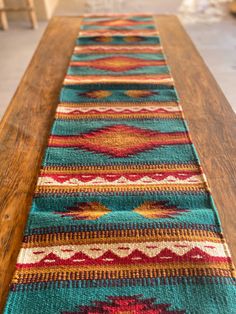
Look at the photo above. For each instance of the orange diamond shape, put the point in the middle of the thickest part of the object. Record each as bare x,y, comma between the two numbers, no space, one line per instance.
118,22
161,209
120,140
85,211
117,64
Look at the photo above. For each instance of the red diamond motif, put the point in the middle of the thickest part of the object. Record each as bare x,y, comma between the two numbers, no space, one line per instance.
120,140
117,63
135,304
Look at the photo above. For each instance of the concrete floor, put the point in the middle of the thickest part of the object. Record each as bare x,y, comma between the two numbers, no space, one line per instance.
215,42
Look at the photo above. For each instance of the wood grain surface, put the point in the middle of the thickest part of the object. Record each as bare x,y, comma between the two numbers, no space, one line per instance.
25,127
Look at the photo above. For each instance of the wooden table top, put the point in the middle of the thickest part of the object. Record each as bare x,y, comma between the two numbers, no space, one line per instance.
25,128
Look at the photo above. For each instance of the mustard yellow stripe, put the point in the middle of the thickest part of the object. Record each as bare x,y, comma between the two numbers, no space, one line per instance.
96,272
116,169
124,188
133,115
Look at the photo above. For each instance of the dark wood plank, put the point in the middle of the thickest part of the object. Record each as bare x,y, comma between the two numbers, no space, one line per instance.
23,135
26,124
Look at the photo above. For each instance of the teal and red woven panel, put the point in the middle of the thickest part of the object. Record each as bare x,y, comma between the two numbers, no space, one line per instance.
122,219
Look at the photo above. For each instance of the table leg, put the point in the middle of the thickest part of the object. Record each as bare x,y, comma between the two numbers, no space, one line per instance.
233,7
3,16
32,14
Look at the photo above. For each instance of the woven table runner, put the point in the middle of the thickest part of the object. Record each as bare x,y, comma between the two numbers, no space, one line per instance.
122,219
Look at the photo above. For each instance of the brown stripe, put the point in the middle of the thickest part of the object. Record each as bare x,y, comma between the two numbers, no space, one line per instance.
120,104
115,32
133,115
120,271
123,168
124,188
120,236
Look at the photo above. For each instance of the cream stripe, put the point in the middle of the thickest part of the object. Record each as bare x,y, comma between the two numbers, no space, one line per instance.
151,249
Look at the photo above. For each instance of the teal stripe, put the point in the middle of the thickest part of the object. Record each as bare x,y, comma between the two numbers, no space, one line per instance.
198,208
107,18
76,127
191,298
118,40
50,219
191,201
166,154
83,71
78,95
142,56
118,28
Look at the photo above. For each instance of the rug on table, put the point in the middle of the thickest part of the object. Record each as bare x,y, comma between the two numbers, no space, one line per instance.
122,219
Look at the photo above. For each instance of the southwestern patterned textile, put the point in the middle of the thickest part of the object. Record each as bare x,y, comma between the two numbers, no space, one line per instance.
122,220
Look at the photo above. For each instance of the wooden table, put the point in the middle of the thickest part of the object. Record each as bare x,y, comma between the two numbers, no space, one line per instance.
26,125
